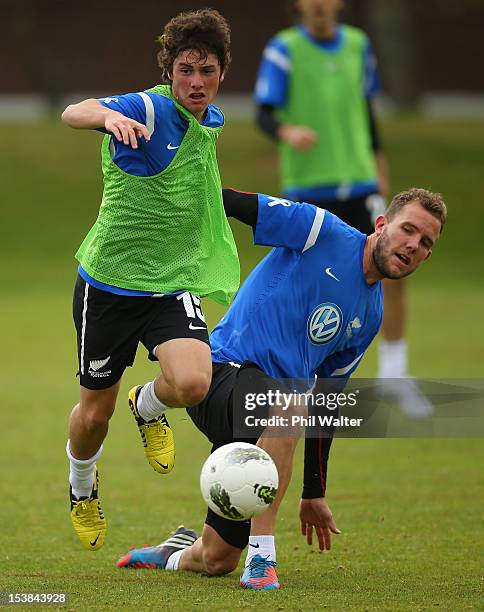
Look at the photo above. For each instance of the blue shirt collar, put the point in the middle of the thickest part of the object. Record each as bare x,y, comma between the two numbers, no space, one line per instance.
213,117
328,45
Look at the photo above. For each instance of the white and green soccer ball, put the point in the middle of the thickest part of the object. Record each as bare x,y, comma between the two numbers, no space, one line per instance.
239,481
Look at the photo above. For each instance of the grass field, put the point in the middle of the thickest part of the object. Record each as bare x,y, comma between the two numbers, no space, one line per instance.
410,510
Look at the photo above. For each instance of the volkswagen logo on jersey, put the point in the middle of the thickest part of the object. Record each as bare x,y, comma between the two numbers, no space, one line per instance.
324,323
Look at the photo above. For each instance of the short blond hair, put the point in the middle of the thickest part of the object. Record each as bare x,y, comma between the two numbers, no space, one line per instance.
432,202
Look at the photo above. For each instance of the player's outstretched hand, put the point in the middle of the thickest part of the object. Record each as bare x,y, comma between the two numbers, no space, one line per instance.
299,137
125,130
316,514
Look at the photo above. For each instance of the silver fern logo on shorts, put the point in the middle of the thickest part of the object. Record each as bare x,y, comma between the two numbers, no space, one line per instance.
98,364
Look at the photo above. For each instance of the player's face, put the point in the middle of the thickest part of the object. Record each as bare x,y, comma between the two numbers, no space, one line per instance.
404,242
195,81
319,14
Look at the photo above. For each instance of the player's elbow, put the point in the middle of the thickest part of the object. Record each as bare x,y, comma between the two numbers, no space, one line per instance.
67,115
85,114
72,116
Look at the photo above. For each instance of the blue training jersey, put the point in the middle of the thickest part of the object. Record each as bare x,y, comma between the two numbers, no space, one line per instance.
167,129
306,309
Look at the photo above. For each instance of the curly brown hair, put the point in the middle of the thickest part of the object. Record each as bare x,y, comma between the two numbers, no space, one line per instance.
205,31
432,202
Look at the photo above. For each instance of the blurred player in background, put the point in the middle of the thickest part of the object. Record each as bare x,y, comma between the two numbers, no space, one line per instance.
161,240
315,91
310,308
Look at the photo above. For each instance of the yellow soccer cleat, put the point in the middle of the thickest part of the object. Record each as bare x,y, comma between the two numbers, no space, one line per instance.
87,517
156,435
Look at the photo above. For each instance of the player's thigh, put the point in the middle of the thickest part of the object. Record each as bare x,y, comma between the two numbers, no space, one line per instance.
108,328
177,337
185,361
221,415
212,416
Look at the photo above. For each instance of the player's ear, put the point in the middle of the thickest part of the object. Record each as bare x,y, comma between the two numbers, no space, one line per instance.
380,223
222,77
427,256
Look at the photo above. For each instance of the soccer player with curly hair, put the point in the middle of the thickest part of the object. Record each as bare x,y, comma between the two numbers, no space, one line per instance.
161,241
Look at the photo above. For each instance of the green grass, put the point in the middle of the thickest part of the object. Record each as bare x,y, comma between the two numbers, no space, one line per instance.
410,510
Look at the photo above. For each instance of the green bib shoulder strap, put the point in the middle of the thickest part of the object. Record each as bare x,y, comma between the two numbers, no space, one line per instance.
166,232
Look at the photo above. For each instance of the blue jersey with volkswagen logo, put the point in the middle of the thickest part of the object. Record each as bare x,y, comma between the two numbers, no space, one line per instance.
306,309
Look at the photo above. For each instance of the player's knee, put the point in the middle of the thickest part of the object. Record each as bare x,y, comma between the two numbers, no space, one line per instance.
96,415
217,565
193,389
93,420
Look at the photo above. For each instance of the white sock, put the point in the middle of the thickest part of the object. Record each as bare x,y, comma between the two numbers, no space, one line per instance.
149,406
392,359
261,545
174,560
81,475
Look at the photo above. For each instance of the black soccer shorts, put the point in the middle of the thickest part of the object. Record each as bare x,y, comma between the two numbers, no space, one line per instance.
110,327
360,212
214,418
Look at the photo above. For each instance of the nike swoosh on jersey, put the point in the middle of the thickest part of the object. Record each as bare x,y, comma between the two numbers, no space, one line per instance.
170,147
191,326
329,273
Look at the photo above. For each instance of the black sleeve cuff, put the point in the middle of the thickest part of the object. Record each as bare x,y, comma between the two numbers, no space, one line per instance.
241,205
267,121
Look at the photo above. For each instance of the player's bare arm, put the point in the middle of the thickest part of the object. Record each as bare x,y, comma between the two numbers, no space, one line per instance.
91,114
316,514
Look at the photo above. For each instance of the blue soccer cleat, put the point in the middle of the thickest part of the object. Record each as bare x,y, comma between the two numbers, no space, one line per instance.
260,574
156,557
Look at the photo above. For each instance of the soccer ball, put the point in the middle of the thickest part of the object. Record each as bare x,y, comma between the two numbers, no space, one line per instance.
239,481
